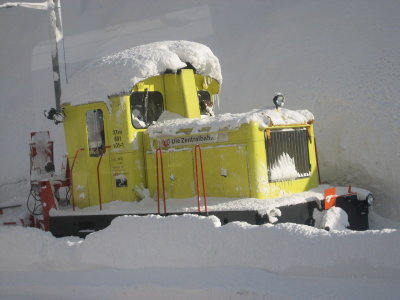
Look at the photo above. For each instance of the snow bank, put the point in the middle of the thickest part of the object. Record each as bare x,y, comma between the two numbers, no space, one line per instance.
192,241
118,73
264,117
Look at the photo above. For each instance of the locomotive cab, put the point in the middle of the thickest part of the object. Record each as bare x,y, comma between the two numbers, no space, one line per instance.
105,140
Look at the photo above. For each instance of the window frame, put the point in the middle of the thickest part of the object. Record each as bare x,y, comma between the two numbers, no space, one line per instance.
100,149
157,99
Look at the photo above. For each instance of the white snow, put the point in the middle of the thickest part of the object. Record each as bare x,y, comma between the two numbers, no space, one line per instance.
269,206
176,257
170,126
41,155
193,241
332,219
175,248
119,72
284,168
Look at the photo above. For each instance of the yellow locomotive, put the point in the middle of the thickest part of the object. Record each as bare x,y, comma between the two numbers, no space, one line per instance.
159,140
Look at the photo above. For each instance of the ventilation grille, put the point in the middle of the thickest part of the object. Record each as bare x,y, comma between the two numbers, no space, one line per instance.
287,154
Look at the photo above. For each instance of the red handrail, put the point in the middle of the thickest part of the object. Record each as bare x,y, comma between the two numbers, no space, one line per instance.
159,153
70,175
197,148
98,176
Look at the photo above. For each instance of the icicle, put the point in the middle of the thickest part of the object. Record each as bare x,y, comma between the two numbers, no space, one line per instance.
216,101
205,84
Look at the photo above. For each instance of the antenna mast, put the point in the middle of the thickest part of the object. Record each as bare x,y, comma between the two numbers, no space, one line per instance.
56,36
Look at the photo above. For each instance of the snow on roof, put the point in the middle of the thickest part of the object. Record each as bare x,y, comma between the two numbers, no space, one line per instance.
264,117
121,71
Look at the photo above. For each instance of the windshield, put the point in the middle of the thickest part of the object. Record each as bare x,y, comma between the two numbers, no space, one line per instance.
146,108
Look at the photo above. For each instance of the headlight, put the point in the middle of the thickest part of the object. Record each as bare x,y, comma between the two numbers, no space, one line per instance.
370,199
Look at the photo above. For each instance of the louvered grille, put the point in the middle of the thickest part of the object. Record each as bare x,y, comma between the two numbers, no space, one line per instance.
287,154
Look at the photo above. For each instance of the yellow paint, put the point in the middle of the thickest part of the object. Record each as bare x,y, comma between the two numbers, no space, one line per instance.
124,157
235,168
235,165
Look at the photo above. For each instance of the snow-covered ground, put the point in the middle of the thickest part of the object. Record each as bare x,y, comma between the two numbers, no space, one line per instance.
194,257
339,59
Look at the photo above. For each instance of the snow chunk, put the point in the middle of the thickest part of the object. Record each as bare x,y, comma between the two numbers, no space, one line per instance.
264,117
333,219
167,115
285,169
121,71
287,116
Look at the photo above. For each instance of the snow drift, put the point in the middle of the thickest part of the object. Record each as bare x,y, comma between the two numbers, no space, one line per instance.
191,242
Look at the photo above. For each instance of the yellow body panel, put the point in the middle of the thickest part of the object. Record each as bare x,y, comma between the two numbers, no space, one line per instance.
234,168
123,157
234,161
184,84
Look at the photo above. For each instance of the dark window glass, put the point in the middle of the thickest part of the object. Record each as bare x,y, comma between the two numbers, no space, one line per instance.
205,103
288,155
95,132
146,108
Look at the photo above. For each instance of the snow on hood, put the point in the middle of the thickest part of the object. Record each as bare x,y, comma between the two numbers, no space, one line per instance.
119,72
228,121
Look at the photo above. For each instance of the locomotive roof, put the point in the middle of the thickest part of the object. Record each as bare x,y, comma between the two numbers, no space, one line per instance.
119,72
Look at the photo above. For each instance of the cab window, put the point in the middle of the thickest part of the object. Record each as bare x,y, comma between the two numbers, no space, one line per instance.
205,103
95,132
146,108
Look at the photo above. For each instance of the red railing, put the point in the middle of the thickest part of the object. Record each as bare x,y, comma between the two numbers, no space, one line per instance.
159,154
98,176
70,174
160,169
197,149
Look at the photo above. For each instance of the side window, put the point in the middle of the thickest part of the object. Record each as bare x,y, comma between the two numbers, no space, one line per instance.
95,131
146,108
205,103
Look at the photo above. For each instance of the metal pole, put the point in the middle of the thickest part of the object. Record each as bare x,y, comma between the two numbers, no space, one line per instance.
56,36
